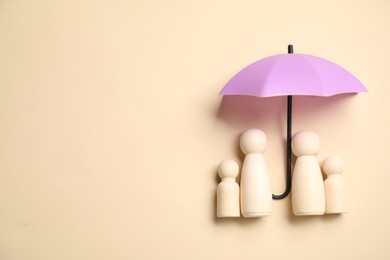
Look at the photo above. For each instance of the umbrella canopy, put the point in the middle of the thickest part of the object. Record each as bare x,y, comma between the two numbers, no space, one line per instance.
292,74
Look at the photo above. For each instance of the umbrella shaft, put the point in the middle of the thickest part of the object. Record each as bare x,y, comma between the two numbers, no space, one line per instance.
290,50
289,129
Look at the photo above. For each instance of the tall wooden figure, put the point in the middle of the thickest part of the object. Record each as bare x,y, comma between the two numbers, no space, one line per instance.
308,195
228,191
335,196
256,195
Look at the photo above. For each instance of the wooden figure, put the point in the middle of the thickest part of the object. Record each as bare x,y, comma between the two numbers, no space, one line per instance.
335,197
256,195
308,195
228,191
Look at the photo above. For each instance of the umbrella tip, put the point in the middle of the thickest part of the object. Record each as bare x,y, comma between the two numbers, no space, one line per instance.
290,48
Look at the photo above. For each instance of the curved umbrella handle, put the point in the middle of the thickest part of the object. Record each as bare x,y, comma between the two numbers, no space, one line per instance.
288,149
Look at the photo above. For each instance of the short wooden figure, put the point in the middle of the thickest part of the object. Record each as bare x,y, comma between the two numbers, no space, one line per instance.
228,191
308,195
256,195
334,184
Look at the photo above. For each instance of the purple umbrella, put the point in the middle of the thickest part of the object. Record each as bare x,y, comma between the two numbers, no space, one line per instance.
292,74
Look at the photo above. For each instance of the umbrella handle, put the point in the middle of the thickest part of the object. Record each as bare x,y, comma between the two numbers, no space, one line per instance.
288,149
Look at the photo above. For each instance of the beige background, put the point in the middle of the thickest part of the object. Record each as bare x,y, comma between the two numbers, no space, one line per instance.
112,128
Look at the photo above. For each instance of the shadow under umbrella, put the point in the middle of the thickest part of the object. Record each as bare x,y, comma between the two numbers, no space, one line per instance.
269,114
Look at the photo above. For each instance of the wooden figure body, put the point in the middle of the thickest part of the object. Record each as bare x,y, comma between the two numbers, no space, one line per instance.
334,184
256,195
308,195
228,191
